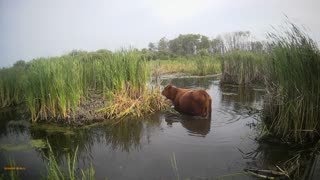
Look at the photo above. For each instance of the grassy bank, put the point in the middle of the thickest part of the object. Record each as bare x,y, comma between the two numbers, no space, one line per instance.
56,88
95,85
292,108
194,66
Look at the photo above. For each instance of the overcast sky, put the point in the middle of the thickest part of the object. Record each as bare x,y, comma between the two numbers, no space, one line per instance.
42,28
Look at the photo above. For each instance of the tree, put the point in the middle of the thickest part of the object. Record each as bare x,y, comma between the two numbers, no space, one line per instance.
204,43
203,52
163,44
185,45
257,47
20,63
239,40
152,47
147,54
217,45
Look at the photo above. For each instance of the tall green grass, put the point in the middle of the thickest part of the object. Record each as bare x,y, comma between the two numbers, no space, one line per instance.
55,87
242,67
11,85
111,71
194,66
206,65
292,108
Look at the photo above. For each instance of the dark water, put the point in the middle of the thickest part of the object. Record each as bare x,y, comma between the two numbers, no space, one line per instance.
145,148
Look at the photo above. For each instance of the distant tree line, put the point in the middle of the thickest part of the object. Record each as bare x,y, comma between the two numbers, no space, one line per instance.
186,45
197,44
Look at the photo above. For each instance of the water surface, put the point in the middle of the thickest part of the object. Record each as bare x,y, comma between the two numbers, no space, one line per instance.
145,148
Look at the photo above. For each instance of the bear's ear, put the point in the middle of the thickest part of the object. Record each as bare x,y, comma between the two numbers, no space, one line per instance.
169,85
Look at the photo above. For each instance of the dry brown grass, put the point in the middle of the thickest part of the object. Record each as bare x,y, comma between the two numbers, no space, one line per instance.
135,103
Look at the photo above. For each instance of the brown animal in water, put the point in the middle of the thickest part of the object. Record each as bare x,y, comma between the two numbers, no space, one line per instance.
192,102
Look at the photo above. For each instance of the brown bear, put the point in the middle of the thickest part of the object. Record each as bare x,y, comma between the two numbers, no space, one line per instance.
192,102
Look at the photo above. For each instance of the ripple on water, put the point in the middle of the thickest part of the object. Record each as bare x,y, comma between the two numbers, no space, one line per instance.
226,116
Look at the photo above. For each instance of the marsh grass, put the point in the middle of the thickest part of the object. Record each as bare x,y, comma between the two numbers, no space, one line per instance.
53,88
11,86
60,88
243,68
292,107
194,66
206,65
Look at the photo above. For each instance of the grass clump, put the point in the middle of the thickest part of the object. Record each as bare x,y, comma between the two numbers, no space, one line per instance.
242,67
292,108
131,102
53,88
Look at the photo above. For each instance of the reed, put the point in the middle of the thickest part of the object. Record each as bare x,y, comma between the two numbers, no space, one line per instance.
55,171
206,65
242,67
110,71
53,88
195,66
11,86
292,108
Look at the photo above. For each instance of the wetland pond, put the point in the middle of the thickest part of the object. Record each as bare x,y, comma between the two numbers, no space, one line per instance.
165,145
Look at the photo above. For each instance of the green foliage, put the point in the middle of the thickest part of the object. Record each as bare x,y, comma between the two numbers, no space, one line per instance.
185,44
292,110
204,42
206,65
152,46
242,67
195,65
147,54
55,87
11,85
163,44
217,45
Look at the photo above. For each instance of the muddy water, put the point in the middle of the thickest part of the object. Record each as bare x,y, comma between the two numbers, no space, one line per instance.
165,145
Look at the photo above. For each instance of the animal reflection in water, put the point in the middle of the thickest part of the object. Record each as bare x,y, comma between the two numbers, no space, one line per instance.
191,102
195,125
